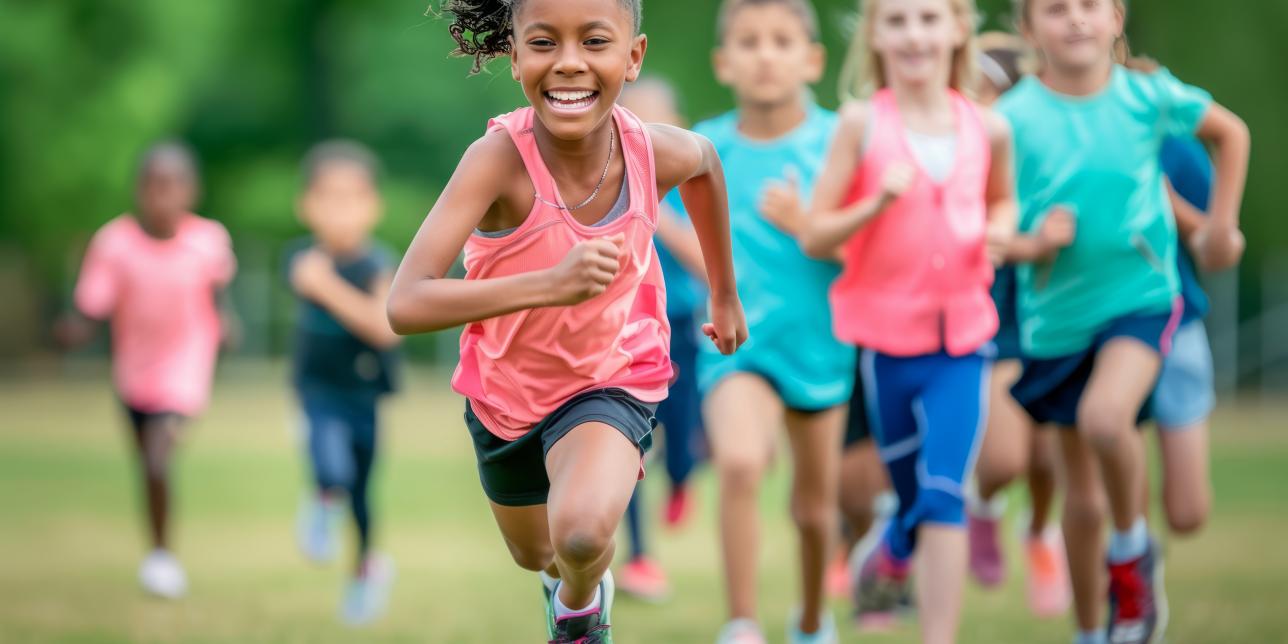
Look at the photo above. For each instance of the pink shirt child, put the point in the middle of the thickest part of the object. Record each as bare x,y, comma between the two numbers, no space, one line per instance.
160,296
916,277
518,368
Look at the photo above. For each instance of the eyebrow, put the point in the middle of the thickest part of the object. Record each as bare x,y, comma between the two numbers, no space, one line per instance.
545,26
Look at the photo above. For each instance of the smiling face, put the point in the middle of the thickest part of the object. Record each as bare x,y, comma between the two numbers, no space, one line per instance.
916,40
1074,35
767,55
572,58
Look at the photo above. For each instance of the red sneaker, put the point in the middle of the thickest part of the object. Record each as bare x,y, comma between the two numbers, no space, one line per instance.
643,579
678,507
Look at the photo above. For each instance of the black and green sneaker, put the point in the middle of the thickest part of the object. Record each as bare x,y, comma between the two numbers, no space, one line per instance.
587,627
548,593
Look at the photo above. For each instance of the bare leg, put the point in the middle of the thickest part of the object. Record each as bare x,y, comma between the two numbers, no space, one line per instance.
592,472
816,464
1084,519
743,415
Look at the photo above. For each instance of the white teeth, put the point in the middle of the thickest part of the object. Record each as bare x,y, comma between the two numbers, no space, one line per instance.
570,96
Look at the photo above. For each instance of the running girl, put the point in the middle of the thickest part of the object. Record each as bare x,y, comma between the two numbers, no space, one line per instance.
1096,320
157,276
917,192
564,352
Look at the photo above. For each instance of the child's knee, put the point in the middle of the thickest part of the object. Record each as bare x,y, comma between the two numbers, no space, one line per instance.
1084,508
1105,425
941,507
534,557
812,516
581,545
1186,517
740,472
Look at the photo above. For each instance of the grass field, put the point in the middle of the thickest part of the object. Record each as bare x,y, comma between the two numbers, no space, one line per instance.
70,534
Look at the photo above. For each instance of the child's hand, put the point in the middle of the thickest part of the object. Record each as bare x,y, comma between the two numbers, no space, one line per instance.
1217,246
781,204
728,326
311,272
997,239
72,330
896,181
586,271
1057,231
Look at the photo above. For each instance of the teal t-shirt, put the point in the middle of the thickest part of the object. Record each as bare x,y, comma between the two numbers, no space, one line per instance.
1098,156
784,293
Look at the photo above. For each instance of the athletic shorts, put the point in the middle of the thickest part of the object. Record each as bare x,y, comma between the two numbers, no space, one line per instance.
140,420
1185,394
1049,389
513,473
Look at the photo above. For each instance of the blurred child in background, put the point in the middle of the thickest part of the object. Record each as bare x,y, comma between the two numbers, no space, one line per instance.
157,275
792,371
1098,316
343,360
917,193
680,416
1013,445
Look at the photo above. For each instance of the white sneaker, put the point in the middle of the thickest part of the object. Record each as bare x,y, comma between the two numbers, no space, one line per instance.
161,575
826,633
741,631
316,527
366,597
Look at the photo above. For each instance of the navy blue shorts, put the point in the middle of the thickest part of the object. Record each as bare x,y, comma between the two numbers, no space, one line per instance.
1049,389
1005,293
513,473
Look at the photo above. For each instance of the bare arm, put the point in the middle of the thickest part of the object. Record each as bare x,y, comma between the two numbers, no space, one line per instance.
421,298
1218,244
830,224
1003,209
313,275
690,161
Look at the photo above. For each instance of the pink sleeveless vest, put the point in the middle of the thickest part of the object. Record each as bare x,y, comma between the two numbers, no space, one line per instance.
518,368
916,278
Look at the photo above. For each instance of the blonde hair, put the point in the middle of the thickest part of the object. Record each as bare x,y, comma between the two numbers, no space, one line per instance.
1122,50
862,72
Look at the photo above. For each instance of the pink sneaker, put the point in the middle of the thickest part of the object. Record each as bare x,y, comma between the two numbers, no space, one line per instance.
986,562
643,579
1049,591
678,507
836,580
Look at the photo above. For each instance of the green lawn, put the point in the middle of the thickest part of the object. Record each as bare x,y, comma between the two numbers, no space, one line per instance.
70,535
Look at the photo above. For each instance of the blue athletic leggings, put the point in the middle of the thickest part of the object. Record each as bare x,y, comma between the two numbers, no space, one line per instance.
927,414
342,450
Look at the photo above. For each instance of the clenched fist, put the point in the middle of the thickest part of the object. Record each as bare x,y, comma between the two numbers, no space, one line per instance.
587,270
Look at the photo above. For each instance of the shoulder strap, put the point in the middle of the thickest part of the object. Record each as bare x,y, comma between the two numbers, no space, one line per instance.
518,124
637,147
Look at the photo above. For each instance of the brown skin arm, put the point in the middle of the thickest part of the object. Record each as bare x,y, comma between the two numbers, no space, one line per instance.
313,276
689,161
421,297
1218,244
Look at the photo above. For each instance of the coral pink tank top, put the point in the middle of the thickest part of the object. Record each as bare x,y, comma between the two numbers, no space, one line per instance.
916,278
518,368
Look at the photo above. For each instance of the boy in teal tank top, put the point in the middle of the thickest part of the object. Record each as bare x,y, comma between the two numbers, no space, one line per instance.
784,292
792,371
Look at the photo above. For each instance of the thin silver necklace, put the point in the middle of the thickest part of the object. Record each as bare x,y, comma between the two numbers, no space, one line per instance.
611,143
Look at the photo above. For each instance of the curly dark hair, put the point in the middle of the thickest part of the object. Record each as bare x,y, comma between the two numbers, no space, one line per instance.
482,28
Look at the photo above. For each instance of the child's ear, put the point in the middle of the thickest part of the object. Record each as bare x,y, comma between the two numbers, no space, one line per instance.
720,66
514,60
817,61
638,47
